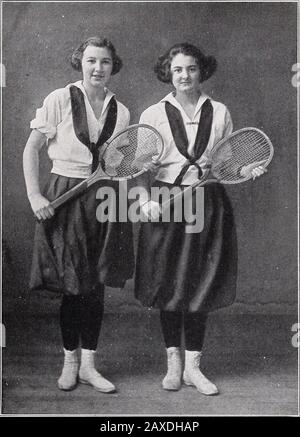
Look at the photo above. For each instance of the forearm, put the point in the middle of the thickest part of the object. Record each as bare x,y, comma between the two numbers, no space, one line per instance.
39,204
31,171
31,163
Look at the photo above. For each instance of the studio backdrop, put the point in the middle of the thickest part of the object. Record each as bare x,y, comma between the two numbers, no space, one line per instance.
255,46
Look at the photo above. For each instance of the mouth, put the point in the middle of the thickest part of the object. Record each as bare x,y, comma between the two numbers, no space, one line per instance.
97,76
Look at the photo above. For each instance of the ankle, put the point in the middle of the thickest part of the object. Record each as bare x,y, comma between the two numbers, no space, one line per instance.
71,356
192,359
68,378
172,380
88,357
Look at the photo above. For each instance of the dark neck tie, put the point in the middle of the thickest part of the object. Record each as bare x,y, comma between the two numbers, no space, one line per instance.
81,126
180,137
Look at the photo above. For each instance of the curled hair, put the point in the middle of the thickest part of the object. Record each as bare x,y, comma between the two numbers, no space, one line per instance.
96,41
207,64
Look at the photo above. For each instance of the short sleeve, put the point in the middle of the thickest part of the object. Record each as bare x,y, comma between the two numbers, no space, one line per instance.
151,116
48,116
127,117
228,125
144,118
123,119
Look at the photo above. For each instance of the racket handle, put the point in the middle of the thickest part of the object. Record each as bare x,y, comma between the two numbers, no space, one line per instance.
74,192
172,201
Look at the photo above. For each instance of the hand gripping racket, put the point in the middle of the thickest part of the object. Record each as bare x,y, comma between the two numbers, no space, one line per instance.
122,157
232,159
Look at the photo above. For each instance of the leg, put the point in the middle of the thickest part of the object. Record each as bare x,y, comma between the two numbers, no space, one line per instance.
194,329
92,308
171,324
91,319
70,328
70,321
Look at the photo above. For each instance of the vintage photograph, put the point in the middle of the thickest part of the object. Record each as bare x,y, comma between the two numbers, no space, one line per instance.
150,158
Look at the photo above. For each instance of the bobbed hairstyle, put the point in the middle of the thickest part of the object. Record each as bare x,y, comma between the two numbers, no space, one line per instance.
96,42
207,64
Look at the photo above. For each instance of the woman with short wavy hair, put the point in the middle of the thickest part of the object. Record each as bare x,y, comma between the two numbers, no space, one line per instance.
187,275
74,254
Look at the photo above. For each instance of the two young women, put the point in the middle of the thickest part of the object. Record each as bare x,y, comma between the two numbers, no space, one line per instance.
185,275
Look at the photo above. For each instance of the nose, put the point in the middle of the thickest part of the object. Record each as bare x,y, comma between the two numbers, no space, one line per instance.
185,74
98,66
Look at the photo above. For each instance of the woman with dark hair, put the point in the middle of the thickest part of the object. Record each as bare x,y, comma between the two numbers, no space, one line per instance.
74,254
187,275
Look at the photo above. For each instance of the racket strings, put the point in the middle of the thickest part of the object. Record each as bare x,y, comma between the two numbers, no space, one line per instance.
127,154
249,147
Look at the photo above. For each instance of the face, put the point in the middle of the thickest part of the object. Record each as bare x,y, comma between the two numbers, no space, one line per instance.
185,73
97,66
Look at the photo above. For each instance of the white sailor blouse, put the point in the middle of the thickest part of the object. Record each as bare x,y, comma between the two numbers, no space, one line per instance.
72,129
173,159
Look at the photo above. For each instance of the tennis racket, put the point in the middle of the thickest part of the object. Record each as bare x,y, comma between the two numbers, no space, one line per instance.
122,157
232,159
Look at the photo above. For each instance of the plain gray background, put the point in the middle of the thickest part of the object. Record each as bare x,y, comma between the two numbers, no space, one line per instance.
255,46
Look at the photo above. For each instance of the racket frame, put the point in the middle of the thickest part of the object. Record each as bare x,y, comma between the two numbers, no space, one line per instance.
99,173
205,179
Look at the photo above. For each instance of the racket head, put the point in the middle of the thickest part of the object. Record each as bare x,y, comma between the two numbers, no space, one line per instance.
245,147
125,155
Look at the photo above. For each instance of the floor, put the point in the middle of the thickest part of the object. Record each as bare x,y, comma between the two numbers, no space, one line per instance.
249,356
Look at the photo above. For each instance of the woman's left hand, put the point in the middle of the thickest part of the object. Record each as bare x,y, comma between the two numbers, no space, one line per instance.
253,171
151,209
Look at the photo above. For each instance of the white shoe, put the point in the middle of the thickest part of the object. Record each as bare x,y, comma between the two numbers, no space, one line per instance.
68,378
172,380
193,376
89,375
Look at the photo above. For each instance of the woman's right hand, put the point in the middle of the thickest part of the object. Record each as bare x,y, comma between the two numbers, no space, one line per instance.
151,209
41,207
